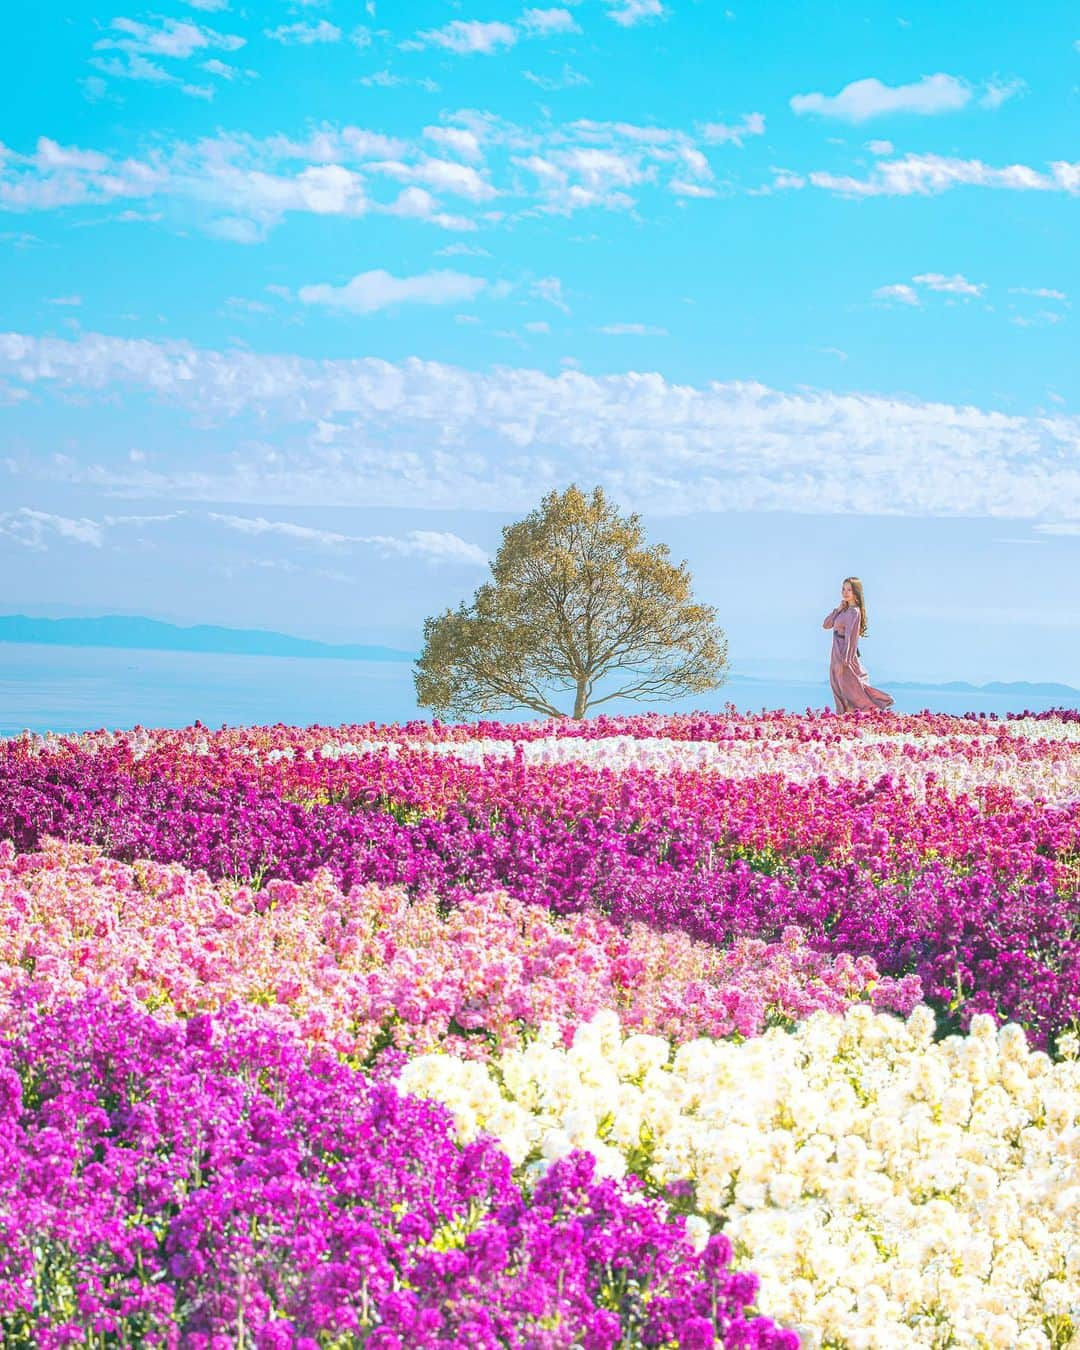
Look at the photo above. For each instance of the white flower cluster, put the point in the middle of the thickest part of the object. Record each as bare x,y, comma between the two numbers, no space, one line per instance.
1045,729
973,755
869,756
889,1190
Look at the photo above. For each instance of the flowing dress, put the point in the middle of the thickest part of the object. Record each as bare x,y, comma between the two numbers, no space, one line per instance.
850,687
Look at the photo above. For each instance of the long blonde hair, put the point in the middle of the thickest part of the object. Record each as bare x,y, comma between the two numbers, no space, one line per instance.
856,586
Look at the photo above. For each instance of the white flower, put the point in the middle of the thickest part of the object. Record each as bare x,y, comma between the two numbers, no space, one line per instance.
697,1230
865,1172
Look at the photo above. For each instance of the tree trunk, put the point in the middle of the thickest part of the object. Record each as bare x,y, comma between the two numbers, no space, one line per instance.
579,701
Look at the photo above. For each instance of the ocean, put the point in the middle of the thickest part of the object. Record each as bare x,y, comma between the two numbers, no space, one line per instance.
68,689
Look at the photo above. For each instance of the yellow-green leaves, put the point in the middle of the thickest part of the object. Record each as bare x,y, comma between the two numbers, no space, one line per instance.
578,604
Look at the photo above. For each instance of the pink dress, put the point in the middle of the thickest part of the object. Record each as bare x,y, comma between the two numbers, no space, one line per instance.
851,692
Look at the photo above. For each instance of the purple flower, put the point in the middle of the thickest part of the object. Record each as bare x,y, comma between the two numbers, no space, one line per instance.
186,1182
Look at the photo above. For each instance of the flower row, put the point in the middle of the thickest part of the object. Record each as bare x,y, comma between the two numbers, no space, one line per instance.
889,1190
1036,758
210,1185
372,970
886,823
1053,724
987,925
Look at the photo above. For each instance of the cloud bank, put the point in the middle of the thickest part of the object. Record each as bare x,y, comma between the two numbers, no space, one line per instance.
290,430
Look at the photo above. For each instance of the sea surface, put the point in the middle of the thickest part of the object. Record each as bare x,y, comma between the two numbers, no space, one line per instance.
67,689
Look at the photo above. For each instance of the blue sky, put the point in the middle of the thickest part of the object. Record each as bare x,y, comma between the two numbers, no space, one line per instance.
302,303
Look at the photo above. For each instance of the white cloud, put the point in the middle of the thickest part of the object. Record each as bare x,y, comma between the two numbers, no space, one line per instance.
142,46
456,140
33,529
239,186
1066,175
679,187
173,38
418,204
462,250
260,525
880,147
957,284
720,133
582,176
57,175
928,175
902,294
469,37
139,521
240,304
784,180
351,143
1044,318
1041,292
208,6
51,155
322,189
237,230
466,37
496,439
94,88
386,79
132,67
36,529
304,34
627,13
538,326
371,291
66,300
550,289
433,546
568,78
1064,527
863,99
546,22
997,94
954,285
441,174
632,330
601,169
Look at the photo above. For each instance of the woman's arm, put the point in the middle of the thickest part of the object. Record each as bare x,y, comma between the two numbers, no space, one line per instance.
830,617
851,656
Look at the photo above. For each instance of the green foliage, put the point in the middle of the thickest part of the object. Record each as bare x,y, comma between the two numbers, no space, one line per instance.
576,597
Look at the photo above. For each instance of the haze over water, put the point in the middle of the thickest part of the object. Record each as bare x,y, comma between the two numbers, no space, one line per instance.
69,689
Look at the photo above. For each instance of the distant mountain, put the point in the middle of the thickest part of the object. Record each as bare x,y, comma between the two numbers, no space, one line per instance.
114,630
946,687
994,687
139,634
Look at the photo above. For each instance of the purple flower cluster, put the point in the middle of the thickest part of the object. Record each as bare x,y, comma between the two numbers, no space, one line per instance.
975,899
211,1185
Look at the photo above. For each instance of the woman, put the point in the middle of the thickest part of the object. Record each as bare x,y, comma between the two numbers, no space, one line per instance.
851,693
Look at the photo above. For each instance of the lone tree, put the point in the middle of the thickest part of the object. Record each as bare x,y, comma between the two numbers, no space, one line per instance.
576,597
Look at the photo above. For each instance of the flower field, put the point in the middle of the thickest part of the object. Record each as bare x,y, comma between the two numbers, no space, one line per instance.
708,1031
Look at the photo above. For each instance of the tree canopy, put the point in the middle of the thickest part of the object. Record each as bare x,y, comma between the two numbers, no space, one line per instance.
576,598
